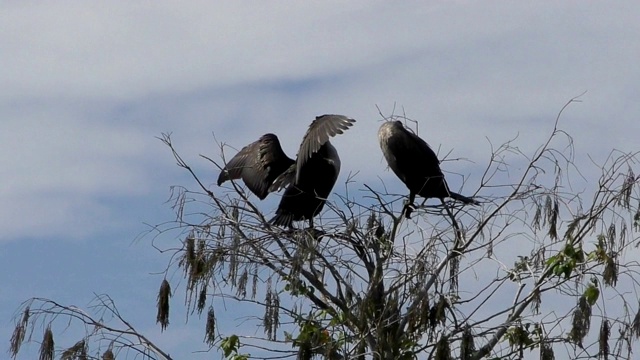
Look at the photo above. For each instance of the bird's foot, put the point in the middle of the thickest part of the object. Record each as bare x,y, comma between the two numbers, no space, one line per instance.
315,233
408,209
289,231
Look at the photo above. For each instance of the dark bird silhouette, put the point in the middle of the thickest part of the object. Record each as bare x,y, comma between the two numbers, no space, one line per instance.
415,163
310,180
258,165
307,181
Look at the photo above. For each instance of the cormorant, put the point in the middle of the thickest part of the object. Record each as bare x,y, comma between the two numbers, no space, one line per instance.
308,180
415,163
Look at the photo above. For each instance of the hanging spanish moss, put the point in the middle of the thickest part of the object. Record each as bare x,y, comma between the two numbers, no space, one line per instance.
108,355
581,321
77,351
163,304
271,319
467,346
47,345
603,340
635,325
610,273
17,338
210,329
443,351
202,298
546,351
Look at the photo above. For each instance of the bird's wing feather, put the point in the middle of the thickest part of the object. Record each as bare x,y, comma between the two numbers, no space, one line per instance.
319,132
254,162
408,155
419,144
233,168
285,179
414,146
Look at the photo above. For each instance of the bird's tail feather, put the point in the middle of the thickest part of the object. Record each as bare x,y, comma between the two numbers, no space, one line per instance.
462,198
284,220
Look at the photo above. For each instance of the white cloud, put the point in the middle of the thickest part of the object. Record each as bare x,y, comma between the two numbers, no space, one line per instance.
123,50
131,50
56,167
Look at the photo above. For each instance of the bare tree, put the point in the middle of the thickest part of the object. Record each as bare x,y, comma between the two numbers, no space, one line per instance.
548,253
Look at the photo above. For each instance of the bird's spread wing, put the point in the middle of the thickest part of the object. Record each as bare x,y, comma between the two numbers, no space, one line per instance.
285,179
253,164
234,167
320,130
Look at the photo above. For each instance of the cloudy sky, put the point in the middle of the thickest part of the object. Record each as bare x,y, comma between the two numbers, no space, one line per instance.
87,87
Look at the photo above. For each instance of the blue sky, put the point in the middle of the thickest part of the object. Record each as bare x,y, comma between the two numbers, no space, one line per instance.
88,86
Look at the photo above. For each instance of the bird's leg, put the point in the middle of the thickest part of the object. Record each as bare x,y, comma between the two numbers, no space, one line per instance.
459,242
421,206
290,231
408,206
310,230
315,234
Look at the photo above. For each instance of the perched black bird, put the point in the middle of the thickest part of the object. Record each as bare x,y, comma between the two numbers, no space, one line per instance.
308,180
415,163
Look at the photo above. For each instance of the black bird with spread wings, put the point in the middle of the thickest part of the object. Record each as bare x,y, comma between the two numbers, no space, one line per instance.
258,165
415,163
307,181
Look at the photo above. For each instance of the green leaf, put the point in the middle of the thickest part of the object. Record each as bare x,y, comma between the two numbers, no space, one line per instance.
552,261
230,345
591,294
